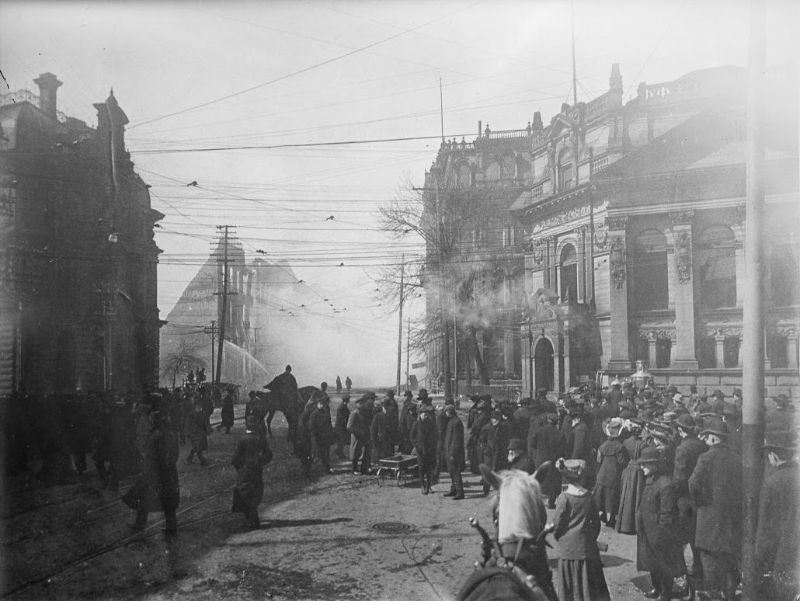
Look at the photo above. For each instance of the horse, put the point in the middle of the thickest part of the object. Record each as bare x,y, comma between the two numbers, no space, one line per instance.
291,408
514,565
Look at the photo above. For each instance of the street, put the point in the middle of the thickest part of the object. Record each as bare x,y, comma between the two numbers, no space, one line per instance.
337,537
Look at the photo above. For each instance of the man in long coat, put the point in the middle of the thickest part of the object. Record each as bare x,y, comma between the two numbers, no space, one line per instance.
407,421
424,437
686,455
659,549
716,488
379,432
454,451
340,427
251,455
322,436
358,426
777,550
157,488
493,444
548,443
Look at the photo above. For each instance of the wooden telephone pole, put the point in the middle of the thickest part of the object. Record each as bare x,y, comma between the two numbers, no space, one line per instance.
224,312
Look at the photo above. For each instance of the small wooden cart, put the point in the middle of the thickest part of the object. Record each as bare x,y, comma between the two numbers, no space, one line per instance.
398,467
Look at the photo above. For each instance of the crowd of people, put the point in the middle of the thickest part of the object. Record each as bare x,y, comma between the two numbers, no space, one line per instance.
655,464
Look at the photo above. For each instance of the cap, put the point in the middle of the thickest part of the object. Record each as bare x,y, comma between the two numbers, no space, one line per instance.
408,394
516,444
649,455
685,421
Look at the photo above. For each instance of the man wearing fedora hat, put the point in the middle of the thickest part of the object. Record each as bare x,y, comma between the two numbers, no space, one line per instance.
716,488
686,455
424,437
776,536
658,547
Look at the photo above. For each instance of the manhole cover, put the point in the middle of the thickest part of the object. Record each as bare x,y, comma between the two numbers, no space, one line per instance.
391,526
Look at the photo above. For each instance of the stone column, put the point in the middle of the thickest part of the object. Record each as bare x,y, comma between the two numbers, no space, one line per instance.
791,350
581,254
565,351
681,281
547,262
551,245
741,272
652,340
719,353
617,274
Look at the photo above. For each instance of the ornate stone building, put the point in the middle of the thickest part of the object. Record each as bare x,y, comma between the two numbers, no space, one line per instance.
633,215
78,305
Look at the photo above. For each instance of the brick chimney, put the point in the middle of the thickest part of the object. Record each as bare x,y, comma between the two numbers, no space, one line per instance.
48,89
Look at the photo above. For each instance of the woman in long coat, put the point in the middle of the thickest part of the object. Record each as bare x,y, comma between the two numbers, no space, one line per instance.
251,455
576,525
659,549
631,481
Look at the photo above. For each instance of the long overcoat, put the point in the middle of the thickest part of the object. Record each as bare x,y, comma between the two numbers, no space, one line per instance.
249,459
686,456
716,488
157,487
453,447
778,522
658,543
631,487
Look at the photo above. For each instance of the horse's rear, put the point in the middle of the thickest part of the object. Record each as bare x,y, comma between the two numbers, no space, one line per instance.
498,584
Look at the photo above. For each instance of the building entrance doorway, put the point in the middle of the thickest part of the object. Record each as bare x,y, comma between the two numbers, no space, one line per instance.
543,358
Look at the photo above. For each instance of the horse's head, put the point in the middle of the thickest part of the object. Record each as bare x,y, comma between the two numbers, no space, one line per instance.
521,512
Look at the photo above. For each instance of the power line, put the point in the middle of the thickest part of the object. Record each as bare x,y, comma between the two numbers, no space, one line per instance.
297,72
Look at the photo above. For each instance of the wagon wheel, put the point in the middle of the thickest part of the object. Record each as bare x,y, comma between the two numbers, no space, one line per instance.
380,475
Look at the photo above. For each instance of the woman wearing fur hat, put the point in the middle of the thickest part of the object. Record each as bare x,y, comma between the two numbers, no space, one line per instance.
659,549
576,526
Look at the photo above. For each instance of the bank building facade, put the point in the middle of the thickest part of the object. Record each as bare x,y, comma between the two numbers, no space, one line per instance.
621,235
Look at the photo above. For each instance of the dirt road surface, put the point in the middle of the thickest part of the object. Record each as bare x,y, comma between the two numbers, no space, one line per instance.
336,536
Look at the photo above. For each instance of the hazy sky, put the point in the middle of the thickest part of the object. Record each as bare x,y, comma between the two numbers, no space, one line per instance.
202,75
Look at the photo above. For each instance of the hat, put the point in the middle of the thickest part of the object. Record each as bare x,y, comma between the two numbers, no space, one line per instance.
715,426
408,394
345,398
650,455
785,440
516,444
251,422
572,469
718,394
737,392
422,393
552,418
425,408
685,421
496,414
677,397
613,427
672,390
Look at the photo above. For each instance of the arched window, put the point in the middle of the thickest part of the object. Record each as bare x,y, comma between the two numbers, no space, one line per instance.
649,280
785,276
565,171
715,264
568,285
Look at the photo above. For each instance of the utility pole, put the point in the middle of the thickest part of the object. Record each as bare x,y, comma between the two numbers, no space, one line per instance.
441,107
224,313
213,331
448,385
753,305
400,323
455,349
408,350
